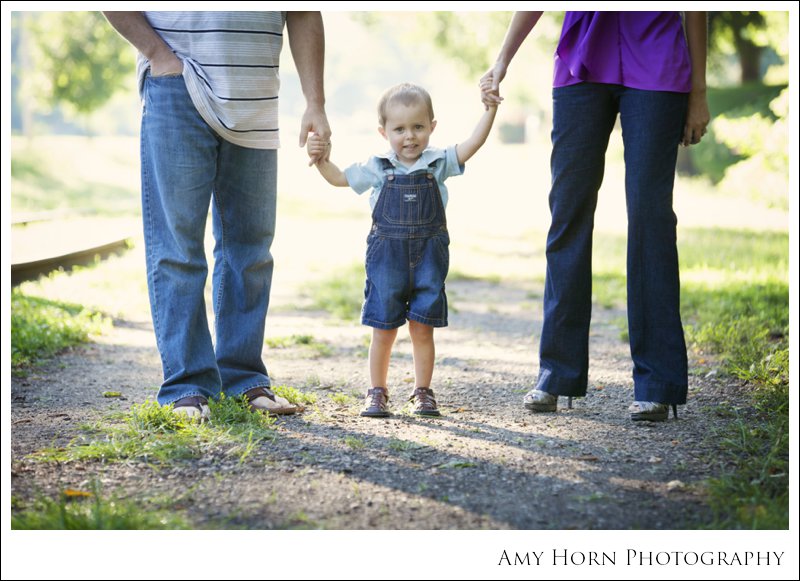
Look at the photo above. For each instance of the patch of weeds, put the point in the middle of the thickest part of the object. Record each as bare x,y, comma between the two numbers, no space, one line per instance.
300,520
308,457
82,510
40,328
404,445
755,494
313,380
153,433
354,443
317,348
457,464
593,497
343,399
294,395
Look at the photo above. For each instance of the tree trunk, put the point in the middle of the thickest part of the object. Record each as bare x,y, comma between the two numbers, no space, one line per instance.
749,59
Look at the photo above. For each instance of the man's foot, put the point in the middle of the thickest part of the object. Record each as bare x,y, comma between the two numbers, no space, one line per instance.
424,402
193,407
376,404
261,399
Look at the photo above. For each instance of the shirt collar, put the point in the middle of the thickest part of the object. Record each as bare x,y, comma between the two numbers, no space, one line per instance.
429,155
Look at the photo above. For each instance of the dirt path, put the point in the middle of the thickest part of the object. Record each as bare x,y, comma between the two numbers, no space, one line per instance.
486,464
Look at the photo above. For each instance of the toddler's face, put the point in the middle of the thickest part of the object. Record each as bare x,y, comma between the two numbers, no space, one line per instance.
408,130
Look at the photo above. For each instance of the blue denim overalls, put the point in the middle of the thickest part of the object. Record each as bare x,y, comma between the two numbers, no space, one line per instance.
407,253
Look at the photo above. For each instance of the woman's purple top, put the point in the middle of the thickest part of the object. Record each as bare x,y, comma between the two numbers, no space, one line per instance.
641,50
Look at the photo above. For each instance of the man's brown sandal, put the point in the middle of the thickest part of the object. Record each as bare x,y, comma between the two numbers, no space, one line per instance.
376,404
424,402
261,399
193,407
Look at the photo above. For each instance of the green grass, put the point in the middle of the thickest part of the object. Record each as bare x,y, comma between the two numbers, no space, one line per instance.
735,309
79,510
340,294
89,174
354,442
40,328
317,348
153,434
294,395
343,399
397,445
754,495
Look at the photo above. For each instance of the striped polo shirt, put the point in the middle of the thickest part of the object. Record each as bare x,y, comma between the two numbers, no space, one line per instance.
230,66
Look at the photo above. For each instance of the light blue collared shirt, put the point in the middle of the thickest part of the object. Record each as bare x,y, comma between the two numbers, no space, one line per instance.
362,176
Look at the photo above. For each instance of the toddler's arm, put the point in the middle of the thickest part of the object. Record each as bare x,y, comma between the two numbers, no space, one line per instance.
317,148
468,147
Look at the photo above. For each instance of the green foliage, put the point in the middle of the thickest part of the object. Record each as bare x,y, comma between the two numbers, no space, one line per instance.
75,510
738,33
40,328
78,59
713,156
470,38
763,173
340,294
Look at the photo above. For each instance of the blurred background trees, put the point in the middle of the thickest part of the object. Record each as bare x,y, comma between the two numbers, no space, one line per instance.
72,73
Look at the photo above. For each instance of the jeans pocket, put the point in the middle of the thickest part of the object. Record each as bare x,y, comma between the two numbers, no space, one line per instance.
442,244
373,242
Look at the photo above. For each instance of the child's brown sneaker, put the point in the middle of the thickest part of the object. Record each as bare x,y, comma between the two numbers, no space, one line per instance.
376,404
424,402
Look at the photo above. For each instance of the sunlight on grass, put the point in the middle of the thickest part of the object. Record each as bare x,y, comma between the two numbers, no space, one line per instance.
99,174
83,510
154,434
41,327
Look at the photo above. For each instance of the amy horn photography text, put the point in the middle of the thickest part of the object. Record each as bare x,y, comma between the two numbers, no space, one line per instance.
633,557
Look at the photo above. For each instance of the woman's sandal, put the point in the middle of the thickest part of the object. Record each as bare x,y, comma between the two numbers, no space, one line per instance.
261,399
651,411
537,400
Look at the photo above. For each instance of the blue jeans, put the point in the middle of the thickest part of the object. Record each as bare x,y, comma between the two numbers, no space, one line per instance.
184,164
652,125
